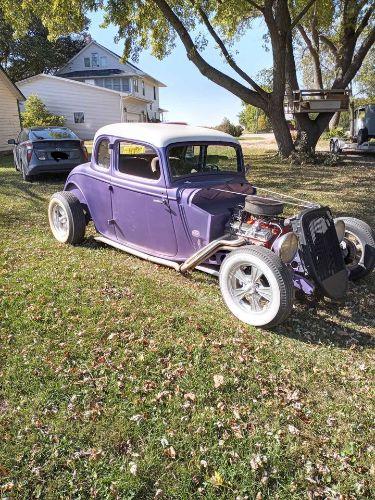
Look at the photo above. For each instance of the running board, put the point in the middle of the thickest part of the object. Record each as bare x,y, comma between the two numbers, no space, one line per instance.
158,260
138,253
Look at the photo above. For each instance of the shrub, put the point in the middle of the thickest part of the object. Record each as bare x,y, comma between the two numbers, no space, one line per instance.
335,132
230,128
36,114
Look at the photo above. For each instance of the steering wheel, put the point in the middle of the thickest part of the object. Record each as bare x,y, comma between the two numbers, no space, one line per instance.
210,167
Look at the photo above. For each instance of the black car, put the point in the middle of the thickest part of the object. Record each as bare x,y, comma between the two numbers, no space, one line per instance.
40,150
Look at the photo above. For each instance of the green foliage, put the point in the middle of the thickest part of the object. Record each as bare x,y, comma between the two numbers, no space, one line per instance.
230,128
33,53
36,114
365,80
335,132
254,119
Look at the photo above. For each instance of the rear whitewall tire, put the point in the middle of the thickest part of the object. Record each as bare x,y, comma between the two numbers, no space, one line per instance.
66,218
275,286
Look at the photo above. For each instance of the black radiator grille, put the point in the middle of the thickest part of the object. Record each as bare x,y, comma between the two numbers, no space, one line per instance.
320,247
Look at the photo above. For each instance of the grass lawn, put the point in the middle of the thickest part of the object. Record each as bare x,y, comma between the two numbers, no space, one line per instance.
107,368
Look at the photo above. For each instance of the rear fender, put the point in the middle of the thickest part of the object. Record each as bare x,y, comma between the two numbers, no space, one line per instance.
72,187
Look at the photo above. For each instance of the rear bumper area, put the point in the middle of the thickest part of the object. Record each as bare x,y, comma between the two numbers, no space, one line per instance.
52,168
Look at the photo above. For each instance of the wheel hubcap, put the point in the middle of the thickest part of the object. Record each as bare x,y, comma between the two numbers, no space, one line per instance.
355,250
250,288
60,219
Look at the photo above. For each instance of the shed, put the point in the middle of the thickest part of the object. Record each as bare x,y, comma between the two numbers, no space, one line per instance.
10,123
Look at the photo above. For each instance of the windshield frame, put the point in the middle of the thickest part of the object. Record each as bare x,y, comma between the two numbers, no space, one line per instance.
201,175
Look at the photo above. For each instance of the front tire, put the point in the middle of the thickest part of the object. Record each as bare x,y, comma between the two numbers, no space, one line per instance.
359,247
66,218
256,286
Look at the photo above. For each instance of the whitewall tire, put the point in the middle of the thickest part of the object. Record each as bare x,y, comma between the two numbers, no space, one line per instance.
256,286
66,218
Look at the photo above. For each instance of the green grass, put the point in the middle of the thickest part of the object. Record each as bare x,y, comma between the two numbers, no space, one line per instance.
107,368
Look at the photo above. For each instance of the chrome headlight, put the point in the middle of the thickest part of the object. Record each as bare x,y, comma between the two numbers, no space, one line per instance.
340,229
286,247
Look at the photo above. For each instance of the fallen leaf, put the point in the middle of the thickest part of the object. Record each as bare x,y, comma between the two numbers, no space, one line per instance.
170,452
217,479
218,381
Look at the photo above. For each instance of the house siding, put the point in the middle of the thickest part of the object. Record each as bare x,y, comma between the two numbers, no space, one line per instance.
63,97
113,62
9,117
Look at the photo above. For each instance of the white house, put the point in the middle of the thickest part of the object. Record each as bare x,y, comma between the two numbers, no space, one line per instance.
10,97
94,89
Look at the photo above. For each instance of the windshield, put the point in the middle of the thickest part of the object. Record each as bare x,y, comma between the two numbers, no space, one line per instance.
52,133
197,159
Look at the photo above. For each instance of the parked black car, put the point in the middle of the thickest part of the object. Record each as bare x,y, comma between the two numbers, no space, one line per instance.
40,150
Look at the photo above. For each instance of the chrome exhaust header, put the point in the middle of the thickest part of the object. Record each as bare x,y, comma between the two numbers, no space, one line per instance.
225,243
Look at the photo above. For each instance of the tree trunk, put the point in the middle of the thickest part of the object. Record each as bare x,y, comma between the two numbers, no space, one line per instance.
281,131
311,130
334,121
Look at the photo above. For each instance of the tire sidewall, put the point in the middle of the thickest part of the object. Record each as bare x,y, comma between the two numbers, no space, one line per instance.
365,235
61,202
255,319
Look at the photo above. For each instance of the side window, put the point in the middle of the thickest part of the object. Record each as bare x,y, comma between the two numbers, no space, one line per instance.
79,117
103,154
138,160
87,62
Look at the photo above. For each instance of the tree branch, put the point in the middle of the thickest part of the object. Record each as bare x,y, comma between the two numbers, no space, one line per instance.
255,5
331,46
299,16
364,21
227,55
225,81
314,54
358,58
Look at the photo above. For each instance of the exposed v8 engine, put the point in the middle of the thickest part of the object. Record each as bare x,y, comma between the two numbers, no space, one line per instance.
259,220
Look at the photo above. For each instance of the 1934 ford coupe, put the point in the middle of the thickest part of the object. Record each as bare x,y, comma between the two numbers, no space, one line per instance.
178,195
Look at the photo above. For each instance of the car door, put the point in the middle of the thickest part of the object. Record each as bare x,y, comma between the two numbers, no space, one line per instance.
141,212
98,187
20,149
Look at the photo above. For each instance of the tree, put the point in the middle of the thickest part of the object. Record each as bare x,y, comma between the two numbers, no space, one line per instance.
346,26
252,118
230,128
36,114
33,52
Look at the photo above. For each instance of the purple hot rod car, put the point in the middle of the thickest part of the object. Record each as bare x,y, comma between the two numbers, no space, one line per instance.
178,195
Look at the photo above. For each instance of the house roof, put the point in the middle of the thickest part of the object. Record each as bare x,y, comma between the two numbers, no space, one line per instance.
163,134
72,82
11,86
137,71
93,73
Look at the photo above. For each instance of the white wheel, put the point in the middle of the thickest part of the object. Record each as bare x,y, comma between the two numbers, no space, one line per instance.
256,286
66,218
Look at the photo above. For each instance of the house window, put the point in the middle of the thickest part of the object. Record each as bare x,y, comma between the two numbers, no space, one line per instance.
154,93
103,61
135,85
94,60
79,117
143,88
117,84
108,83
87,62
99,82
103,154
125,84
90,82
138,160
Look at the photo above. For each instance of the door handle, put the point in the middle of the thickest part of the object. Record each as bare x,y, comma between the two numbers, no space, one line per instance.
110,188
162,201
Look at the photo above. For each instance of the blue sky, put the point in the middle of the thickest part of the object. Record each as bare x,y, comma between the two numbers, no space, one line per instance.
189,96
